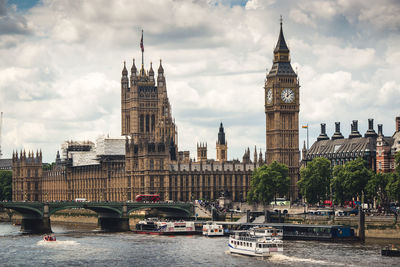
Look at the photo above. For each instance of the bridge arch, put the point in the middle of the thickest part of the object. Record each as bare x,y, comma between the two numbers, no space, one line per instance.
97,209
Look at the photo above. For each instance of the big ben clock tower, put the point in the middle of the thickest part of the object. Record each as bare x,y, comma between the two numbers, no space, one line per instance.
282,106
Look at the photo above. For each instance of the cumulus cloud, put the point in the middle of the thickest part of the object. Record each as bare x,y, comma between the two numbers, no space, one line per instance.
62,61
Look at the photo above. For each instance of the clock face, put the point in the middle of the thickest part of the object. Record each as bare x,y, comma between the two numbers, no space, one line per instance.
287,95
269,96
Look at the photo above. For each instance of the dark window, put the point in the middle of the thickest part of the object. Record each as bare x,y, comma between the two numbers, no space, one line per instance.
141,119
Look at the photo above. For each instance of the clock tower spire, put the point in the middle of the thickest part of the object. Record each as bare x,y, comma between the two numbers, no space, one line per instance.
282,105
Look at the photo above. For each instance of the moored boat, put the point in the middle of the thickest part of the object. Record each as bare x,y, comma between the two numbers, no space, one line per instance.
213,229
268,232
153,227
246,243
391,252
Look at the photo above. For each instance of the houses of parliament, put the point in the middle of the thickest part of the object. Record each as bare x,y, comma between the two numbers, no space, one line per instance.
147,160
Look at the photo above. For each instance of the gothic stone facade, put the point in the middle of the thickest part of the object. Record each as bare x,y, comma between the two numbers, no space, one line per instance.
282,106
151,162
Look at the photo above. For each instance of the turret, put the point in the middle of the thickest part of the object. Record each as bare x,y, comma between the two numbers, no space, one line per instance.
160,77
151,72
222,145
260,158
304,151
133,73
255,154
124,78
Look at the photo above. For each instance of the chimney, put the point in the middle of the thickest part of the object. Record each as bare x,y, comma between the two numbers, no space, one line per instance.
354,130
397,124
380,131
370,132
323,135
337,134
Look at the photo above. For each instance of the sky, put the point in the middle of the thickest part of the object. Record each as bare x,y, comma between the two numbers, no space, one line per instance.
61,64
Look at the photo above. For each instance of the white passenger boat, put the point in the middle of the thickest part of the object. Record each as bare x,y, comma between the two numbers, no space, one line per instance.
154,227
213,229
269,232
246,243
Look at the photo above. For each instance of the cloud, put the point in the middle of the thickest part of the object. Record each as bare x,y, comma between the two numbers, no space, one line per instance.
61,66
10,21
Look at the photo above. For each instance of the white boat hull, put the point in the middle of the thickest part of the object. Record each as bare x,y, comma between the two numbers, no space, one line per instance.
253,252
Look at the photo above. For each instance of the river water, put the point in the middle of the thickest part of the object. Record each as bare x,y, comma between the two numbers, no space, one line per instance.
83,247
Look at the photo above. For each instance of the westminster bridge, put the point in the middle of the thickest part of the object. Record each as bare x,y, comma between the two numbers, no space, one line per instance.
112,216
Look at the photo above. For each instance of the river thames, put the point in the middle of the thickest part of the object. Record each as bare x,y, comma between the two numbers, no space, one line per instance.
82,247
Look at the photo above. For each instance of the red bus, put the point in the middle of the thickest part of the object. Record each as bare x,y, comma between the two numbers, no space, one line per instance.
328,203
147,197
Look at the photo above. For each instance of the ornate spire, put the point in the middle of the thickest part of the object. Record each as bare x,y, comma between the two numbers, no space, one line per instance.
221,135
151,71
124,70
133,69
281,44
160,69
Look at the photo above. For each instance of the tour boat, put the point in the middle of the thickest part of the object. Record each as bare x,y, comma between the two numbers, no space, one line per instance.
165,227
269,232
246,243
49,238
213,229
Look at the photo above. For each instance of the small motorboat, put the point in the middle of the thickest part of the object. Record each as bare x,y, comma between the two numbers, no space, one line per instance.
391,252
49,238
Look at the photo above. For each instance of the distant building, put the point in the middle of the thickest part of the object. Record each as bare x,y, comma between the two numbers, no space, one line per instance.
6,164
340,150
148,161
386,148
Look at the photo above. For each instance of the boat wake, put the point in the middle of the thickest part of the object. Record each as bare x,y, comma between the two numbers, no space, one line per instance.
57,243
285,258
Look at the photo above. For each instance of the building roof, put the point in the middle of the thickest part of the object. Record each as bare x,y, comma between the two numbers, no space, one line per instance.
342,148
282,68
281,45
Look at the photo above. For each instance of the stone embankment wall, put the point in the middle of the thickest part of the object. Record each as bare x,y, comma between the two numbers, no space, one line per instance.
71,216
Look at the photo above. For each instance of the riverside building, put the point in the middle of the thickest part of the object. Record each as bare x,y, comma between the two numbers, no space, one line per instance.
147,159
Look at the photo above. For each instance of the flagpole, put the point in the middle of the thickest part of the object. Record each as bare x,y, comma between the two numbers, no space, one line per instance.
307,137
142,49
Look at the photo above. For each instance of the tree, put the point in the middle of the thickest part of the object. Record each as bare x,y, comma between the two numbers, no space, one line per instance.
393,187
377,188
350,180
5,185
315,180
268,182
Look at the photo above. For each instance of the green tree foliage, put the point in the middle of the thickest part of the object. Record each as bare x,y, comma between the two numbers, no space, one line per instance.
377,188
268,182
397,162
350,180
393,187
5,185
315,180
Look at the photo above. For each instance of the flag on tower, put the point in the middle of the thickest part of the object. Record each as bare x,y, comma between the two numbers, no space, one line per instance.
304,126
141,43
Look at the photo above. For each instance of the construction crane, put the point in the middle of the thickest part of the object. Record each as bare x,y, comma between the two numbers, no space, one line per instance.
1,125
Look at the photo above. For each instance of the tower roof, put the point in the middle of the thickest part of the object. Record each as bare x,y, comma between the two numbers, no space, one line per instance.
221,135
124,70
281,45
